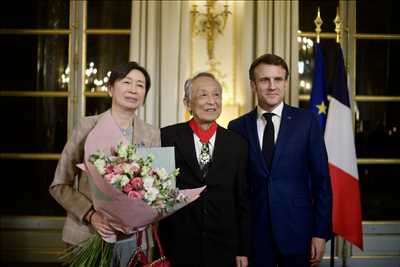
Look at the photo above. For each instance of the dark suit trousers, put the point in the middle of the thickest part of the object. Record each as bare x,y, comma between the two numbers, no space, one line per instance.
273,257
294,260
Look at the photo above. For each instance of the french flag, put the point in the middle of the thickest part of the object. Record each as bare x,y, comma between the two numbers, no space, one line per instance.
340,146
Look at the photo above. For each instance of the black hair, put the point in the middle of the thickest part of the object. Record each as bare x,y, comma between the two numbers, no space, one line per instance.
120,72
268,59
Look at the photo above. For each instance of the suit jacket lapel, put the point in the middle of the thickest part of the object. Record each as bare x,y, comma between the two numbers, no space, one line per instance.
218,151
185,144
283,134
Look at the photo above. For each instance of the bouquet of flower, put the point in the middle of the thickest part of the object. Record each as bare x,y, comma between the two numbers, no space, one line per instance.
134,175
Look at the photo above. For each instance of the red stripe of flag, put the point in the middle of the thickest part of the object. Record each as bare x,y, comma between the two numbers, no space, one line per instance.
346,204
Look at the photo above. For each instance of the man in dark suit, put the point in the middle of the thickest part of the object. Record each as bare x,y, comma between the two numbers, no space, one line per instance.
289,184
213,230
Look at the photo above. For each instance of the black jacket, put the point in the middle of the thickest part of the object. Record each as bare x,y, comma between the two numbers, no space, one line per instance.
212,230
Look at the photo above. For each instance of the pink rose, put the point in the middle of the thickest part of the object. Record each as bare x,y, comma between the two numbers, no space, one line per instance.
134,195
109,168
119,169
137,183
127,188
135,168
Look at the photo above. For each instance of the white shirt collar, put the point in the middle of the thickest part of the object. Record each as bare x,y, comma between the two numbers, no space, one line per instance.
198,144
277,111
210,142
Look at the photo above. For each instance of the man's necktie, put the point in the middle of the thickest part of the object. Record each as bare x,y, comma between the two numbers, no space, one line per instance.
268,140
205,156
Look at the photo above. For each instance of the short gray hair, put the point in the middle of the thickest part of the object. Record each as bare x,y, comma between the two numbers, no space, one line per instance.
189,82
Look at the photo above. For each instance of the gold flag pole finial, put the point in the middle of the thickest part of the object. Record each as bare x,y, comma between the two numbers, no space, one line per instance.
318,22
337,25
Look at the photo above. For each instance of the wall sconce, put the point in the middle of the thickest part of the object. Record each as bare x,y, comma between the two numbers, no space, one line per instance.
208,25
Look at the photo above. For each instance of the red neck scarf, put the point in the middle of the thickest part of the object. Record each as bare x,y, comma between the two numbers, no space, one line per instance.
206,135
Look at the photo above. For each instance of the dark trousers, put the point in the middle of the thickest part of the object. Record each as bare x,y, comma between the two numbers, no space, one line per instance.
273,257
293,260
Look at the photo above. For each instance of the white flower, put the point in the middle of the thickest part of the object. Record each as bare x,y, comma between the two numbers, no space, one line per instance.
120,180
167,184
124,180
100,165
126,167
132,153
122,150
115,179
151,194
148,182
145,170
162,173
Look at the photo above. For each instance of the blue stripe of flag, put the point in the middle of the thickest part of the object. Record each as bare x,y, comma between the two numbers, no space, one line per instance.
318,100
339,85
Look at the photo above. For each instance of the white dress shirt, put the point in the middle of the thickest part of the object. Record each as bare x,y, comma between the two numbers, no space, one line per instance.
261,122
198,144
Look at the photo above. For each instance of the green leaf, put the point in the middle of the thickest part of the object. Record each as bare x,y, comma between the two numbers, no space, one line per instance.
92,252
